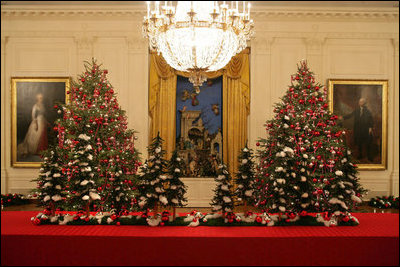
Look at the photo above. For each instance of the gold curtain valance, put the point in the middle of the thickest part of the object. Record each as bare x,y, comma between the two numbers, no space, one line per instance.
236,103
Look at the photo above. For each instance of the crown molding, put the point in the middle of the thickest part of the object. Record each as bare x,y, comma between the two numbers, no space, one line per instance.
261,13
326,13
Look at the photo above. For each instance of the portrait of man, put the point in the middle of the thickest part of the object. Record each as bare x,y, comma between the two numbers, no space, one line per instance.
33,116
361,109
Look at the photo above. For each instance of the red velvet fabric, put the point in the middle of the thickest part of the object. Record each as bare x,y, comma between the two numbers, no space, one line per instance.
374,242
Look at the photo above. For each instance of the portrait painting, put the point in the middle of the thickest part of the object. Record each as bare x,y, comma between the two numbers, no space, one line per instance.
33,116
361,106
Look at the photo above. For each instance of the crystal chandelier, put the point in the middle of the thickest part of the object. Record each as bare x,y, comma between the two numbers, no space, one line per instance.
198,36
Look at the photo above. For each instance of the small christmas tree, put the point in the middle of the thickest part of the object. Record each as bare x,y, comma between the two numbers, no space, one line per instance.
245,177
99,159
177,189
153,178
305,164
51,182
83,181
223,197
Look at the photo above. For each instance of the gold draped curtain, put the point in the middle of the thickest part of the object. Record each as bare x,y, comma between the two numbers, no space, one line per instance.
235,110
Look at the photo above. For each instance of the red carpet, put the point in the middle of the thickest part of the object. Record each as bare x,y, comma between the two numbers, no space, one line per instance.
374,242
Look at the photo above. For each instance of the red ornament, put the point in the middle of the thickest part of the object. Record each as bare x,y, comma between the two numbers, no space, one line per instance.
303,213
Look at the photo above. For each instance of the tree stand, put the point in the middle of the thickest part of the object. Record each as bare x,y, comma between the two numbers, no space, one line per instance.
155,209
88,209
52,209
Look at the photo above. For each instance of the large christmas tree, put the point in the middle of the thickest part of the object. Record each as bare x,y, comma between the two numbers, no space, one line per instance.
152,192
304,164
97,150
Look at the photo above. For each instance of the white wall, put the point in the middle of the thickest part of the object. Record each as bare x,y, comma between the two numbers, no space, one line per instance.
354,43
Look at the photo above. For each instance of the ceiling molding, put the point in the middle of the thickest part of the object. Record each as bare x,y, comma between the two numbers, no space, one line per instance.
323,14
260,13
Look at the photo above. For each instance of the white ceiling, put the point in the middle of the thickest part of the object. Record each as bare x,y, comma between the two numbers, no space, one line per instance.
303,4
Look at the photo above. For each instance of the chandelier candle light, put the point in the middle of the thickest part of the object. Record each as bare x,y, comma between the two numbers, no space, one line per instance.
198,36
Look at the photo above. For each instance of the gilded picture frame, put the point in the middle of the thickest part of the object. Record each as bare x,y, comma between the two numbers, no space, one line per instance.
362,107
33,115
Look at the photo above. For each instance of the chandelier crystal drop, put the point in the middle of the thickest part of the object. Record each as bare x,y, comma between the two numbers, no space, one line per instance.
198,36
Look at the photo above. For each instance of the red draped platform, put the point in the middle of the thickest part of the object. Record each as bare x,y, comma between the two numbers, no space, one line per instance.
374,242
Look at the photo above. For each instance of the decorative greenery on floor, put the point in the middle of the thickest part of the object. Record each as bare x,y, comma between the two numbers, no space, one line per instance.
195,218
13,199
385,202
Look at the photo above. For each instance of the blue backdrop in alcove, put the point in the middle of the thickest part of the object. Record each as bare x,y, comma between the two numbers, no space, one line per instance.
210,94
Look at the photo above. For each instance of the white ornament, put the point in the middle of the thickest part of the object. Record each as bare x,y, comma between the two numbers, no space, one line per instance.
163,200
226,199
278,169
224,188
339,173
84,137
248,193
56,198
94,196
47,184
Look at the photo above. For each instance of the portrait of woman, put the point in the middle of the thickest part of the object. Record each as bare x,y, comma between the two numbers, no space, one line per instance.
33,116
35,139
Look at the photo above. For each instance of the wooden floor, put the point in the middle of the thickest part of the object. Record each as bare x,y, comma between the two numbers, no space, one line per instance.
362,208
